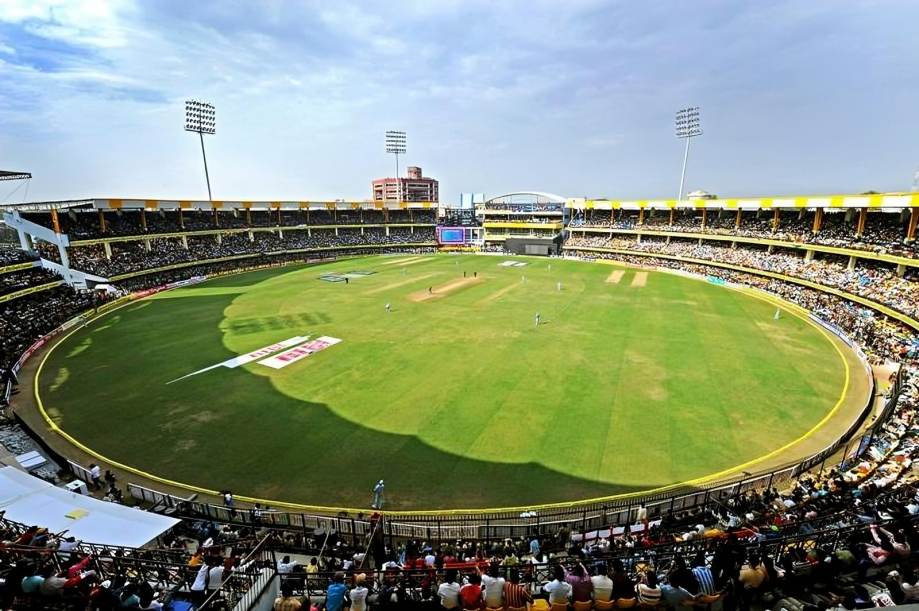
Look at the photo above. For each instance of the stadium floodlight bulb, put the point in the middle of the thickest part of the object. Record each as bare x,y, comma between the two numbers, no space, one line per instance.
688,122
395,144
201,118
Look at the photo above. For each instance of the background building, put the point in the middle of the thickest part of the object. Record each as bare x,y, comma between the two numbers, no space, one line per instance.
414,188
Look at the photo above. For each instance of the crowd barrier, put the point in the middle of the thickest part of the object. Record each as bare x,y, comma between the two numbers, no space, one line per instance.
164,569
533,576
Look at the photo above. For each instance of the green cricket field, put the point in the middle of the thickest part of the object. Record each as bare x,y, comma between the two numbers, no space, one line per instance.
442,383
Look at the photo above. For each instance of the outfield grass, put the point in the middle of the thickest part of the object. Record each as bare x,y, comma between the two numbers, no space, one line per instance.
458,400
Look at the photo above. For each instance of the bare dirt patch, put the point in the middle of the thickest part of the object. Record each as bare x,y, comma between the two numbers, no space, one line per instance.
615,276
640,279
442,290
395,285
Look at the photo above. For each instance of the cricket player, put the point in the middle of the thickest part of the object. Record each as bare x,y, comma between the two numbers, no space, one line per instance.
378,496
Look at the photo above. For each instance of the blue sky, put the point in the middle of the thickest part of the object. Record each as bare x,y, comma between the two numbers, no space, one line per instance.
573,97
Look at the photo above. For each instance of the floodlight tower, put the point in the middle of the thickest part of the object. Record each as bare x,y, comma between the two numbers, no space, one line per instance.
688,126
200,117
395,144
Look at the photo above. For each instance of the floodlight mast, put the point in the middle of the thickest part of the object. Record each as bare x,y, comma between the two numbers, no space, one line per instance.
200,117
395,144
688,126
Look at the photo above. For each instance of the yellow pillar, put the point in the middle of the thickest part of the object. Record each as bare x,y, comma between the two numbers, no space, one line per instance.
818,220
216,222
672,210
641,216
775,220
913,221
55,222
737,222
704,217
862,220
101,221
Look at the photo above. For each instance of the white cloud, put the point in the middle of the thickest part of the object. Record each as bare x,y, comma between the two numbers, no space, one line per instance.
574,92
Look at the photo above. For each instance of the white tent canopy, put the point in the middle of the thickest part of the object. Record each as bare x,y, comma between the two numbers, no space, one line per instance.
30,500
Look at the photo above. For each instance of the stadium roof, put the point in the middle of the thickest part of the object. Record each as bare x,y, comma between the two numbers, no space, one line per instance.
31,500
538,197
45,206
9,175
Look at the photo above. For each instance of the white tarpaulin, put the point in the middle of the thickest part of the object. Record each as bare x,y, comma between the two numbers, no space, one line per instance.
33,501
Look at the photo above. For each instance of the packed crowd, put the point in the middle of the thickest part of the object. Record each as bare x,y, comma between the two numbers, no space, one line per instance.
752,550
874,281
13,256
24,320
11,282
46,570
884,232
86,224
134,256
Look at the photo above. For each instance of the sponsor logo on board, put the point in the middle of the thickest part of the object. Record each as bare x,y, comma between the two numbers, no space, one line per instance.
255,355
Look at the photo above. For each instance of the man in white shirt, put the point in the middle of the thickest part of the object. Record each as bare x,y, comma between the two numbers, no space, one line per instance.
603,585
68,545
448,591
286,566
358,593
493,587
214,579
95,473
558,589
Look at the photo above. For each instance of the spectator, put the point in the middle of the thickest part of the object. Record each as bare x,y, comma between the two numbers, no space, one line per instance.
558,589
647,591
449,591
335,595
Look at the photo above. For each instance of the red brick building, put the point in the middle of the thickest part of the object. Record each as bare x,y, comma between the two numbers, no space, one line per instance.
414,188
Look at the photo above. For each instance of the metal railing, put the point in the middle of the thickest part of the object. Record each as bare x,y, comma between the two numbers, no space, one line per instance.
246,582
421,583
